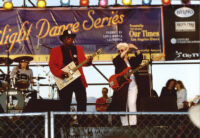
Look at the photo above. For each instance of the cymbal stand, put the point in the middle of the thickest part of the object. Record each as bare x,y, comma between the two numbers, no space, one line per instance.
38,87
51,88
2,71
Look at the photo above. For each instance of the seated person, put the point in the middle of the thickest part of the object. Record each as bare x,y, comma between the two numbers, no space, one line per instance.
168,97
101,106
181,96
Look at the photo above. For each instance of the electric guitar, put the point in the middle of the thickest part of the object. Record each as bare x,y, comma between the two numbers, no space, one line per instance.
117,81
73,72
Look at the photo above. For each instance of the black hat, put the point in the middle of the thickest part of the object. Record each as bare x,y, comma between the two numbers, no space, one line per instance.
23,59
67,33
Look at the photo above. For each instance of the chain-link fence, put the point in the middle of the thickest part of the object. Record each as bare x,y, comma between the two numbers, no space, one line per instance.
97,125
24,125
100,125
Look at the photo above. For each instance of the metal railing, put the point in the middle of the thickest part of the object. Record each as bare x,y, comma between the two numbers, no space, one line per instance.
97,125
24,125
108,124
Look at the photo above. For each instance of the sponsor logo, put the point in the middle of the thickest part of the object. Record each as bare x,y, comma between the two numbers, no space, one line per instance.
185,26
185,55
184,12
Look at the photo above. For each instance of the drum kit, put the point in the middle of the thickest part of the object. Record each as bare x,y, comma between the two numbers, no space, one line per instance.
16,92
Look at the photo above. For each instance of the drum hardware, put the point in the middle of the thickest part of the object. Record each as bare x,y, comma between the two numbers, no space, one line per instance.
22,82
15,100
38,85
2,71
5,60
6,79
39,78
4,82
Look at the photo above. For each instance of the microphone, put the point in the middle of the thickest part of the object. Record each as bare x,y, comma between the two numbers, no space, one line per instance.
37,47
8,46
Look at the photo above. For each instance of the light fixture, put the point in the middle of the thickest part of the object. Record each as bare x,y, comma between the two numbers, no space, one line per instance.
103,3
8,5
146,2
84,2
166,2
41,3
65,2
127,2
185,1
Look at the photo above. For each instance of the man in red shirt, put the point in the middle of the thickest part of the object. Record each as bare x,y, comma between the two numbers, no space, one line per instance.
101,106
61,56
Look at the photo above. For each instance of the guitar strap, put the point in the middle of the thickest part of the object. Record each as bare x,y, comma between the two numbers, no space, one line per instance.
69,54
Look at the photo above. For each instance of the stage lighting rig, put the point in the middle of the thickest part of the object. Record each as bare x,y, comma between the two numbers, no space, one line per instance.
103,3
146,2
166,2
127,2
84,3
65,2
7,4
41,3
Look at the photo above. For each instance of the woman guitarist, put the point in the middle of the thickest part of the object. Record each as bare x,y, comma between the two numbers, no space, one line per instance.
125,98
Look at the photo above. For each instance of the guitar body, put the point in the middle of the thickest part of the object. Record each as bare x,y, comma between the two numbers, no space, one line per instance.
73,75
117,81
72,71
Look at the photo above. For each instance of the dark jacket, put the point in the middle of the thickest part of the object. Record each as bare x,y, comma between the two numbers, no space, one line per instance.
119,98
167,100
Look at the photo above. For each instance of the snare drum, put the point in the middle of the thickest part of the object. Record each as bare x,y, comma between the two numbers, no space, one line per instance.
22,82
15,100
4,82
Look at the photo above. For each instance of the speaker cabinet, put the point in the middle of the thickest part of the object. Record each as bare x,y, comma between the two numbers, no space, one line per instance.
147,99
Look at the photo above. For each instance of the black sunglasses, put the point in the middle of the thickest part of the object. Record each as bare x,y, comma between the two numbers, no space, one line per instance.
121,50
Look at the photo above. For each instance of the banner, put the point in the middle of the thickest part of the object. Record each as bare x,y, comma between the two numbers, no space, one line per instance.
35,31
181,27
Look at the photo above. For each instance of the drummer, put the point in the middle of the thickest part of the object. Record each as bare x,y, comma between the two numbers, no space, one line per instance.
23,68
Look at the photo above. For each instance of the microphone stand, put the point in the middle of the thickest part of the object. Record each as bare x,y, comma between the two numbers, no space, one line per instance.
151,75
8,75
2,71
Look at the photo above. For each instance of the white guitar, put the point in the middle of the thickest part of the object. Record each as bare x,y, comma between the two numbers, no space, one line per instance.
73,71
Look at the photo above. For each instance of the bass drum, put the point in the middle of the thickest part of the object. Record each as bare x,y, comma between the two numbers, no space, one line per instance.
15,100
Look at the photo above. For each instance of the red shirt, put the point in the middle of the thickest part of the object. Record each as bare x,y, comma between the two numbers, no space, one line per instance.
101,108
56,62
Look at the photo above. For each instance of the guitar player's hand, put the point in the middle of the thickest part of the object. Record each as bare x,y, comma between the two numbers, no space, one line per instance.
65,75
89,58
134,47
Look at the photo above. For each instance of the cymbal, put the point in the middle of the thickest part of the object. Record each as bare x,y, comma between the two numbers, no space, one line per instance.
39,78
5,60
23,58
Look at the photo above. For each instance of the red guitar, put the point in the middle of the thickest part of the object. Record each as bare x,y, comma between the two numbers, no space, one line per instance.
117,81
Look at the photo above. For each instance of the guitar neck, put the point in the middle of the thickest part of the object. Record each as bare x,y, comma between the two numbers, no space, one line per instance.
82,63
135,70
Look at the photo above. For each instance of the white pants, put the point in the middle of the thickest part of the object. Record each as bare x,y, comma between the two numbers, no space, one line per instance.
130,107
